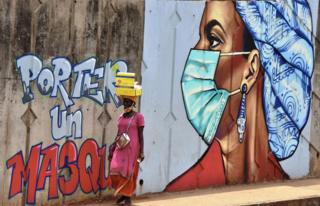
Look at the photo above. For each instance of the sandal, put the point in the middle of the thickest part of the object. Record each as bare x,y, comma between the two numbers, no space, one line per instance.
127,201
121,199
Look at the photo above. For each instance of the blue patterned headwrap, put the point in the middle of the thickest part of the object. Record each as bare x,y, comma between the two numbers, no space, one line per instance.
282,32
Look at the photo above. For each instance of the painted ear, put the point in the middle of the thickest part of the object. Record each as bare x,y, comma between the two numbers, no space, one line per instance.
252,69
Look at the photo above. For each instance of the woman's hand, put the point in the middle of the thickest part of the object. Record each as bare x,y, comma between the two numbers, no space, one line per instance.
109,157
141,157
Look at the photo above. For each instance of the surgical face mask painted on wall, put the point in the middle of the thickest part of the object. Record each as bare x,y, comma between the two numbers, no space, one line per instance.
204,102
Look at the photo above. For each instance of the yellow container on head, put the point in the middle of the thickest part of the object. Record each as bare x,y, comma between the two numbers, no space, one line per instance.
125,91
126,85
124,79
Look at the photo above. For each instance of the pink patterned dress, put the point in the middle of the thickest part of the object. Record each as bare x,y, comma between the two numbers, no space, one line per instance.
124,160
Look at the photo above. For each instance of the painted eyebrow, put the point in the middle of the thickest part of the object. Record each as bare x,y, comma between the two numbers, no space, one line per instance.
212,24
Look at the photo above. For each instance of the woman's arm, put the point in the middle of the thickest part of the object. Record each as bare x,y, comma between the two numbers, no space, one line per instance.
141,154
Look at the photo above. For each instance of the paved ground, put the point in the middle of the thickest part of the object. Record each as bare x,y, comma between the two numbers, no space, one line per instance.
257,194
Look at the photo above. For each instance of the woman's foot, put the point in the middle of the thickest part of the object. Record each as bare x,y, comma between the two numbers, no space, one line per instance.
121,199
127,201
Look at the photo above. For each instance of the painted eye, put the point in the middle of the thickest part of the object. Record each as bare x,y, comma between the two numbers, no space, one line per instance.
214,44
214,41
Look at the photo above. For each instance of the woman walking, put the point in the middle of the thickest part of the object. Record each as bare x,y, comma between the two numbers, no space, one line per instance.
124,160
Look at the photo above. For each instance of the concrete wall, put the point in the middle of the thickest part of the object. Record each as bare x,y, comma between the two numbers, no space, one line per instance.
80,29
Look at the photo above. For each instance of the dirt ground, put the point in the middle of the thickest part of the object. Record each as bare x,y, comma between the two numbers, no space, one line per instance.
276,193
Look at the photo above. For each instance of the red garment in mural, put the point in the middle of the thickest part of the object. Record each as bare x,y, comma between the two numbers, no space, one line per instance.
207,172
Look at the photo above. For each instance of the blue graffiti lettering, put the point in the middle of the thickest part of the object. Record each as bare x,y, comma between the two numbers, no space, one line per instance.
62,72
109,80
51,81
45,81
29,67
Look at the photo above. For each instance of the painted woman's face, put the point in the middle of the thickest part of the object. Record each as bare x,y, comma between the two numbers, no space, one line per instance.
222,29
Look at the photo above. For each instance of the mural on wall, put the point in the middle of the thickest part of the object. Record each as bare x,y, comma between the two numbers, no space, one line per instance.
246,88
66,168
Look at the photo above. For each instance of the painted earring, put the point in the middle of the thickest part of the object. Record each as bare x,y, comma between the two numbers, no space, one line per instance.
241,120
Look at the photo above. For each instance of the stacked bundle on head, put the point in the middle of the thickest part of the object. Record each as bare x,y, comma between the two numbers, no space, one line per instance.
126,85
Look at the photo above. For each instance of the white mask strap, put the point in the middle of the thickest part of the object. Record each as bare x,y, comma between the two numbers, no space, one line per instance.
235,92
233,53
